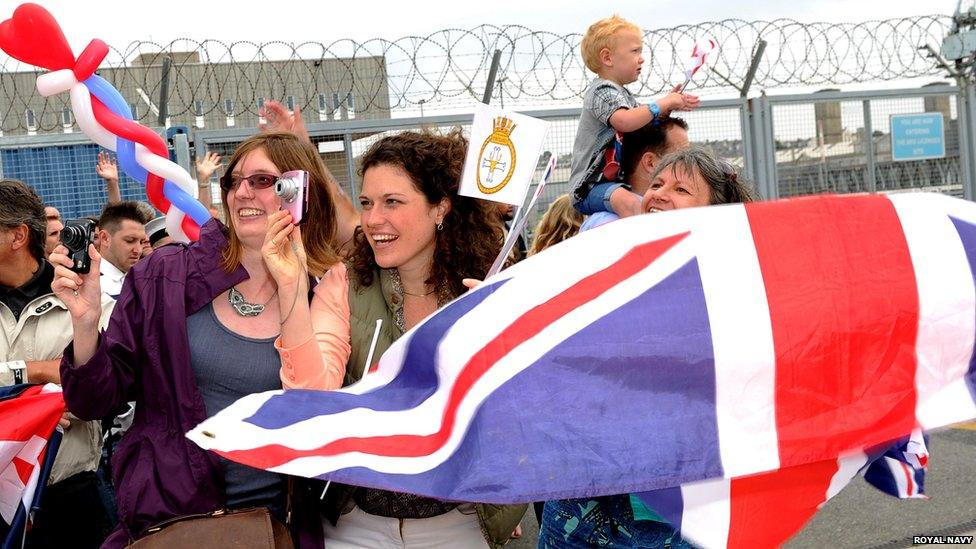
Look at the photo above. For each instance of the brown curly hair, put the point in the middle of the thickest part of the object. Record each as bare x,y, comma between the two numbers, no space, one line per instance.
471,236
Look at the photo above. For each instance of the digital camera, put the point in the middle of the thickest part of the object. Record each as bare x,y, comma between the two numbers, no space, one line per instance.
292,188
76,236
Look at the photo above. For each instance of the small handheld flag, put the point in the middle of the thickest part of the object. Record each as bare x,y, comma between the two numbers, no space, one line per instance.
699,55
521,218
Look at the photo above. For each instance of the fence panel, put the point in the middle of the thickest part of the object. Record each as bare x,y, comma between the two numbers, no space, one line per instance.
716,125
790,145
841,142
62,171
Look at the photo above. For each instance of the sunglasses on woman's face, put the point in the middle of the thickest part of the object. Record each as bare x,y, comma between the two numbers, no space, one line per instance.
230,182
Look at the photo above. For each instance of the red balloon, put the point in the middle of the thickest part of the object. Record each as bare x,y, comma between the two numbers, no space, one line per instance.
33,36
190,229
89,60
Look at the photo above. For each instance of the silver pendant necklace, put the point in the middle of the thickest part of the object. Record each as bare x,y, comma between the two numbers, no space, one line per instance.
244,308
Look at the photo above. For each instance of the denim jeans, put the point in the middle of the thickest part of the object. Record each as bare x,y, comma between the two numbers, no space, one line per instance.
602,522
598,198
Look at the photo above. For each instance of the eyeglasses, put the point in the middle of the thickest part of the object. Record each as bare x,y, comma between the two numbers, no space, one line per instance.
230,182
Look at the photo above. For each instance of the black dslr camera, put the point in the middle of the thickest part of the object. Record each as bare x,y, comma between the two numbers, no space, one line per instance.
76,236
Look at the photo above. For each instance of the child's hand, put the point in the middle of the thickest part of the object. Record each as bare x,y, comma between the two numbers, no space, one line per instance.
677,101
625,203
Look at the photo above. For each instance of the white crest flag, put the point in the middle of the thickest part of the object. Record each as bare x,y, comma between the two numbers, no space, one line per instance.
502,155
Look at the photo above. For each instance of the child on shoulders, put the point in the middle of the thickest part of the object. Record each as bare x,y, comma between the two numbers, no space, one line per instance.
612,49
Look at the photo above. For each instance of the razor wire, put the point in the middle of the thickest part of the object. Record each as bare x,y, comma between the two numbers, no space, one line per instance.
448,69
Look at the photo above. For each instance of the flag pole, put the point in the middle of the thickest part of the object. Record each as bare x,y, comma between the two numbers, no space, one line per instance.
519,224
372,347
369,360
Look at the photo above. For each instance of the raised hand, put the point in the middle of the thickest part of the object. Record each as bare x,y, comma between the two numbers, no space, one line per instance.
279,118
106,168
283,251
677,101
81,293
206,166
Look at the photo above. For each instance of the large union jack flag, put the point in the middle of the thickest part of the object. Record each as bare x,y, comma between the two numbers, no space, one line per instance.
739,362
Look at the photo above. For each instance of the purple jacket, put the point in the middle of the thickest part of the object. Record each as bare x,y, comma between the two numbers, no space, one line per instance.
144,356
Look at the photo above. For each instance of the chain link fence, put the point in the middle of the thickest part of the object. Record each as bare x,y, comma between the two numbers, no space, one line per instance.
842,143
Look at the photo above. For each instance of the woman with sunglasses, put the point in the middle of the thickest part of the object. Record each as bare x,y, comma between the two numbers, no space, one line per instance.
197,327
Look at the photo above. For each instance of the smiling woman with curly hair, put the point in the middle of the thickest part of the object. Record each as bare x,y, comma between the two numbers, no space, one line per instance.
463,237
417,240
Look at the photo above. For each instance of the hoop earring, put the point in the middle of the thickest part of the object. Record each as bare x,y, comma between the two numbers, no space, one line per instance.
440,225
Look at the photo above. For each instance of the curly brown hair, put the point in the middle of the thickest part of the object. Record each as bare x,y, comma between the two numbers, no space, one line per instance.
471,236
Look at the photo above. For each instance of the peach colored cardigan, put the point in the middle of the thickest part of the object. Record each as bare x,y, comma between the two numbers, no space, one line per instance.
320,362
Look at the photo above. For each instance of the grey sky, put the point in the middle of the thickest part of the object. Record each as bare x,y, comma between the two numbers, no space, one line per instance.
120,22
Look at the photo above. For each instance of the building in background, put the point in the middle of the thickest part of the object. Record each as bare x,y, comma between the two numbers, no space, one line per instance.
41,144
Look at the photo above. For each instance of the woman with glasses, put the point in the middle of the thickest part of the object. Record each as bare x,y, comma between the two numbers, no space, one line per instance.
197,327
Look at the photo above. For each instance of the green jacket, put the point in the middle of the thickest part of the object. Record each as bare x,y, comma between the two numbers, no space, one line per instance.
380,301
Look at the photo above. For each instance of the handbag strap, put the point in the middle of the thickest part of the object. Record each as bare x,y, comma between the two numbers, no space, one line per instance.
219,512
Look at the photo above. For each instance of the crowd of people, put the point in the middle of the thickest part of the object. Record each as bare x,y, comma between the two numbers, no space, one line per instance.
157,336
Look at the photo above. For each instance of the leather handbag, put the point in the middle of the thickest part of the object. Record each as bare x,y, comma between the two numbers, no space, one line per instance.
239,529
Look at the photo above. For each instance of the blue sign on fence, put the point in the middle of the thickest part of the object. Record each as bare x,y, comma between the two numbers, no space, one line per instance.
917,136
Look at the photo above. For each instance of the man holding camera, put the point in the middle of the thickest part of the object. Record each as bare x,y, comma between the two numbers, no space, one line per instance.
121,232
35,327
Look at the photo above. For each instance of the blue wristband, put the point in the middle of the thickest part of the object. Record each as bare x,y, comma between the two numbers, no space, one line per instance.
655,110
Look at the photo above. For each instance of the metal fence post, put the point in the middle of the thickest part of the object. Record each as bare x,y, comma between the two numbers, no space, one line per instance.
199,144
181,147
748,147
757,135
765,147
771,168
870,176
350,166
966,107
